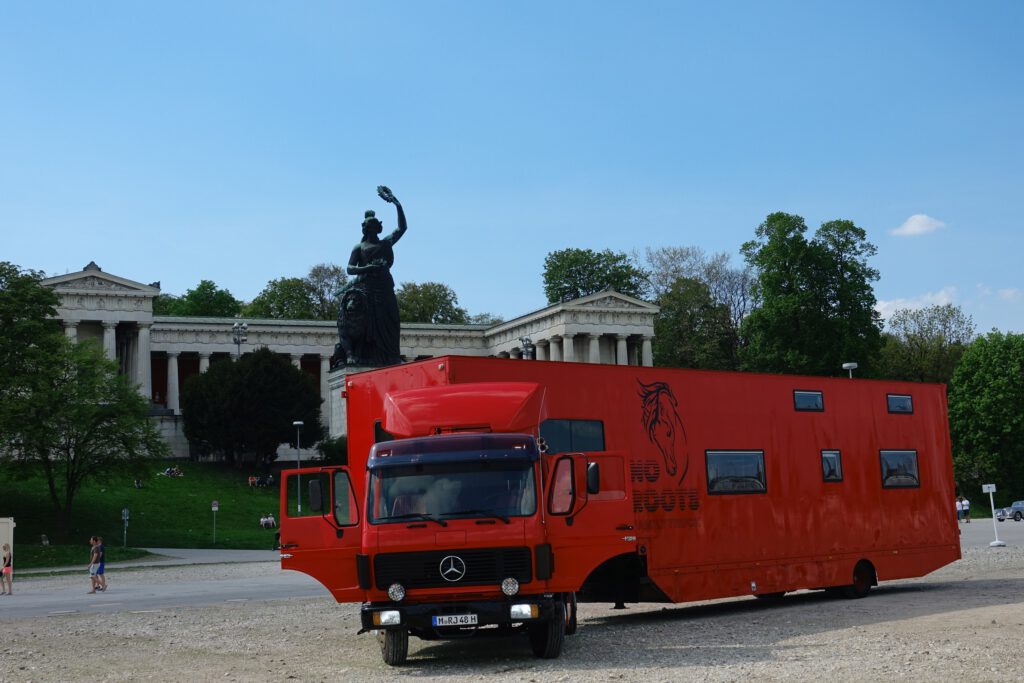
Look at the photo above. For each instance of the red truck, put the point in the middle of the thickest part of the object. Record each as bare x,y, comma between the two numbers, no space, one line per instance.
490,495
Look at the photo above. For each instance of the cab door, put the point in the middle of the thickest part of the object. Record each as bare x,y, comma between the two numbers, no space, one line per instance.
321,528
589,514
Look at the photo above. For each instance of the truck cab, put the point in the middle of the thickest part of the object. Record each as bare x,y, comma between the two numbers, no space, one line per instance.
454,534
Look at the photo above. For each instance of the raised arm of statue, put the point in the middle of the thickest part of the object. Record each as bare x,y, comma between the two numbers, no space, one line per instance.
385,193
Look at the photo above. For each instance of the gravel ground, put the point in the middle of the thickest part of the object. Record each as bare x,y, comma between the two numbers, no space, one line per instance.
963,622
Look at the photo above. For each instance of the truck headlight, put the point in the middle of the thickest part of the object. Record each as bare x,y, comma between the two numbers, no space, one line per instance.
520,612
396,592
510,586
388,617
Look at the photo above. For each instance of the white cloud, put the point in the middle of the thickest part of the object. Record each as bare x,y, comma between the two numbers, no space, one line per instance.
940,298
1011,294
918,224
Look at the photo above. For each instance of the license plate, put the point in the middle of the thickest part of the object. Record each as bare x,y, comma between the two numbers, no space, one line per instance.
455,620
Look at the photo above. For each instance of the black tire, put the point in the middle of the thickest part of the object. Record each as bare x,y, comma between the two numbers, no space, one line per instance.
570,614
863,579
546,638
1017,516
394,647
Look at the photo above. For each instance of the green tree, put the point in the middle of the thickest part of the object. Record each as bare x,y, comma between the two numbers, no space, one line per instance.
692,330
28,337
816,303
733,287
485,319
287,298
925,345
80,420
574,273
205,300
430,302
986,415
325,281
244,410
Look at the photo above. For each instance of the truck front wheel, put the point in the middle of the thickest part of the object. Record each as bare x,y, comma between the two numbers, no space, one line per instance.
546,638
570,614
394,647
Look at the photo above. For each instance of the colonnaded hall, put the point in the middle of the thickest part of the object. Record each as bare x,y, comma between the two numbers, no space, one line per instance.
160,352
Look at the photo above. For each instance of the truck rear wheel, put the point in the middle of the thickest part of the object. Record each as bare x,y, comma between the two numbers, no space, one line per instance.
863,579
546,638
394,647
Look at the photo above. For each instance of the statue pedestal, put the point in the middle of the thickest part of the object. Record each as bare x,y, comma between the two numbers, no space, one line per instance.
336,409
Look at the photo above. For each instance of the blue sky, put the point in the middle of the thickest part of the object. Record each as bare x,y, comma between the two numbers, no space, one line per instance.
241,142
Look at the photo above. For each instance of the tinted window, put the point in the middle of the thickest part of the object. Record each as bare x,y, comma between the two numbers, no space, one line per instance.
736,472
345,511
562,491
831,466
899,469
900,403
573,436
808,400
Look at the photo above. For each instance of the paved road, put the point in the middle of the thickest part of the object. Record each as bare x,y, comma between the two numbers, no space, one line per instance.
131,591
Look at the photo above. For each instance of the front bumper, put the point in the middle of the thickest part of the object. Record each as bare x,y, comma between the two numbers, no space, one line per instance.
497,612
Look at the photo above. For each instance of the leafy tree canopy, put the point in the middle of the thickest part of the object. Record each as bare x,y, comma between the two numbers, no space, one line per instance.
693,330
925,345
287,298
574,273
733,287
485,319
325,281
28,336
986,418
429,302
817,304
205,300
244,410
80,420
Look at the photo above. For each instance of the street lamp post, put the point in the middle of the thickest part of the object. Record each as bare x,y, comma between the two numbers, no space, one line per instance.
298,478
850,367
239,334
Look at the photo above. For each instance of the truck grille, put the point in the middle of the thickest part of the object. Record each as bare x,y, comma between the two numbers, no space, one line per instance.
423,569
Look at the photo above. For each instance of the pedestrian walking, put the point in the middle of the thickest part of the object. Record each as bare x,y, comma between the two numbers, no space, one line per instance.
97,560
967,511
7,571
960,508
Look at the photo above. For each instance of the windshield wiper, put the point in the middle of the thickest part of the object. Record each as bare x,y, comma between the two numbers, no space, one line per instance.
413,515
477,511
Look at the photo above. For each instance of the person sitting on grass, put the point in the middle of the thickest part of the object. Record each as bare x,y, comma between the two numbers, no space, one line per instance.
271,522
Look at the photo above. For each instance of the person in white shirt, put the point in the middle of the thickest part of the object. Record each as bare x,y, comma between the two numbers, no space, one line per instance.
960,509
967,511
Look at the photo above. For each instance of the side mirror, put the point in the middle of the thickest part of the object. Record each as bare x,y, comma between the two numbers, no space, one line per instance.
593,478
316,496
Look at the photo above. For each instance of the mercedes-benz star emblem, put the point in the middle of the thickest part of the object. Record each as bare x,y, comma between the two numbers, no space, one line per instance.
452,568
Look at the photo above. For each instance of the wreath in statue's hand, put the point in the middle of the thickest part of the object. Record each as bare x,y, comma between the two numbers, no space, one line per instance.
385,193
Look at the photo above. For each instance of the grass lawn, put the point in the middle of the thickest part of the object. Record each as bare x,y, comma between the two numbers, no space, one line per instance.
166,512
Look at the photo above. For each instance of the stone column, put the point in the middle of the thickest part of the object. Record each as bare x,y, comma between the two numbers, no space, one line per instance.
542,349
325,391
71,329
297,360
172,381
109,345
204,362
647,352
568,349
516,353
143,367
556,348
595,348
621,355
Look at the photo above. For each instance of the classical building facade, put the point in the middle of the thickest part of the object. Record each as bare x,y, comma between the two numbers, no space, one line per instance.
159,352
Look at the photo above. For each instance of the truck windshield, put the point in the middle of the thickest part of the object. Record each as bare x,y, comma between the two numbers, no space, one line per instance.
452,490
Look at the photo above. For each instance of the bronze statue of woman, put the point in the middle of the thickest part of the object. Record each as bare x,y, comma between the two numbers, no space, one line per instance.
368,322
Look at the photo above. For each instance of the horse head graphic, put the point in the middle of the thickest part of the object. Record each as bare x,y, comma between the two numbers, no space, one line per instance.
664,426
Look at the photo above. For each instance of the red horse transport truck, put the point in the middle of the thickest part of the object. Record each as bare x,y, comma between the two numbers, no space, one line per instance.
487,496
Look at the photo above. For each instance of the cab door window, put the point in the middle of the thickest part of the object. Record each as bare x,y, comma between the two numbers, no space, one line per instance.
563,495
346,511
